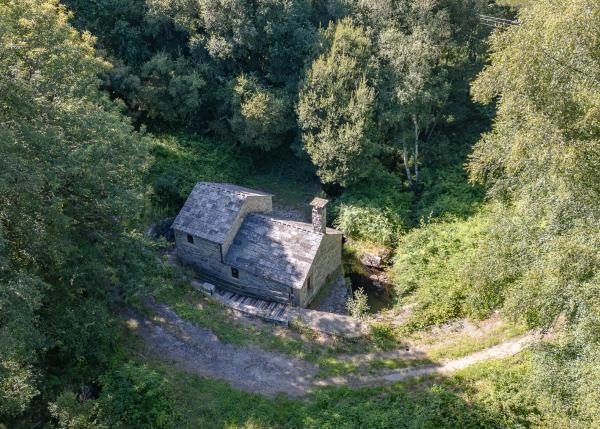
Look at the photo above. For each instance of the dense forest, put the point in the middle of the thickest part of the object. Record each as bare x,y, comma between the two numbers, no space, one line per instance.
471,152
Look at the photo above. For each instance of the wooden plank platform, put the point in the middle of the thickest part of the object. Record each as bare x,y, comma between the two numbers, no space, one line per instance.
272,311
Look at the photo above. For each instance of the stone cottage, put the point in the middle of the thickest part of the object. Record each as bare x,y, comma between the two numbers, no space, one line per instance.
226,233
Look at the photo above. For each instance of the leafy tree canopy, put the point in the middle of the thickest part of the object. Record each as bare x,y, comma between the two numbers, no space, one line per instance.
70,189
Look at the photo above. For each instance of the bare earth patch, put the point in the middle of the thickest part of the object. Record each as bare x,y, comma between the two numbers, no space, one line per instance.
199,351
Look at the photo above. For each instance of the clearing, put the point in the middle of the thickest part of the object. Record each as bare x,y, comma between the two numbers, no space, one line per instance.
246,367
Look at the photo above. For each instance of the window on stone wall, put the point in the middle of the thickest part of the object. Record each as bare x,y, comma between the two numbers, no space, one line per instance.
190,238
309,286
235,273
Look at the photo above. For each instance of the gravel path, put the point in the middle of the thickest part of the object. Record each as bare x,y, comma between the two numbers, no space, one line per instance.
503,350
248,368
199,351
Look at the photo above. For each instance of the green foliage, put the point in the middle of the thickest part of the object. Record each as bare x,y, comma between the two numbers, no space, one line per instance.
70,413
502,388
541,162
170,90
135,396
568,374
431,266
357,304
261,116
336,107
132,396
70,191
368,223
446,193
542,159
20,298
376,210
384,336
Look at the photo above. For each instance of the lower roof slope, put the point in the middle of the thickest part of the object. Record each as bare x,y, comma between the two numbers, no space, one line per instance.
274,249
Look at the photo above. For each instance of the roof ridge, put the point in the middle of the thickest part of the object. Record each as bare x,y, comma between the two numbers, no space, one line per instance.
221,187
283,222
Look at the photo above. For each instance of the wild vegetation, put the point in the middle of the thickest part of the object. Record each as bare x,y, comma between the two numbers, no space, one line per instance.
472,153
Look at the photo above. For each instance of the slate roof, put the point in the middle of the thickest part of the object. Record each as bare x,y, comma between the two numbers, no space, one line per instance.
211,209
275,249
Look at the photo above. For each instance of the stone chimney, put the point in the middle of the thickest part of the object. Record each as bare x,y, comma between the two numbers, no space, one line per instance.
319,215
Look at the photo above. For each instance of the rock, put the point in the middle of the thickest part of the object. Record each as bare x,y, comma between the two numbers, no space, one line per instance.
203,287
370,260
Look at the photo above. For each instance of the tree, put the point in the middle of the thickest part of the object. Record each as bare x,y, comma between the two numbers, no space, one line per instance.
412,40
70,192
260,115
336,106
170,90
541,162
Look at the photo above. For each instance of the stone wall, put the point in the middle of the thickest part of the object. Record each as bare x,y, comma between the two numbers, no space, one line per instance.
202,254
205,256
258,286
327,261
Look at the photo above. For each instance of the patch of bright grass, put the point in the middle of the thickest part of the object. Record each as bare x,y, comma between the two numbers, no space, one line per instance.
464,344
445,403
332,367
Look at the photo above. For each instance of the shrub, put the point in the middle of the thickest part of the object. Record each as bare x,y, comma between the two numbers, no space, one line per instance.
431,270
376,210
447,193
357,304
135,397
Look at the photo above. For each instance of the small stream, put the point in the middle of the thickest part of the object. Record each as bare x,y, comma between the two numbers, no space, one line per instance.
379,297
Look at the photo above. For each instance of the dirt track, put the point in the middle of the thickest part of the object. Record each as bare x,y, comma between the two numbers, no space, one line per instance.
199,351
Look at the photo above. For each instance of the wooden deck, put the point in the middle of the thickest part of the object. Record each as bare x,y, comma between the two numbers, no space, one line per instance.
272,311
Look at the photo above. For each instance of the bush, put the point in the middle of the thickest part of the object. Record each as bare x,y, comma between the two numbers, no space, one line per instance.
447,193
135,397
430,269
376,210
357,304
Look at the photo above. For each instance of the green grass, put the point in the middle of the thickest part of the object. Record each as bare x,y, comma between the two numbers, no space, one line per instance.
465,401
178,161
299,341
465,344
391,364
332,366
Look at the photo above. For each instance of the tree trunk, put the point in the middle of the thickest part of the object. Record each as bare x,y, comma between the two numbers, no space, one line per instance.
416,124
405,160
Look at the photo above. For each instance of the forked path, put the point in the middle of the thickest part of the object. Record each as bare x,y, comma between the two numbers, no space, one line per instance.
248,368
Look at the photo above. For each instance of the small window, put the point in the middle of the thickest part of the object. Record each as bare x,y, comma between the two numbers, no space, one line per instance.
235,273
190,238
309,287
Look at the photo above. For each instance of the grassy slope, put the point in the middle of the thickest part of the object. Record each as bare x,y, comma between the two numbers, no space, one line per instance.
179,161
484,396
